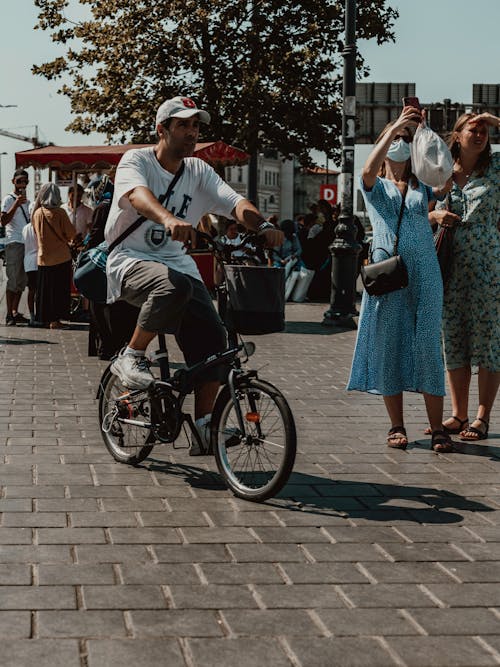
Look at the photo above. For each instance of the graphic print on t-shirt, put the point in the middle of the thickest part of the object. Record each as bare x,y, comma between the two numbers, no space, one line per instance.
155,236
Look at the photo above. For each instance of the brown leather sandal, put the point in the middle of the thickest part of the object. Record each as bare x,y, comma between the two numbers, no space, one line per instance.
441,442
452,431
395,435
478,434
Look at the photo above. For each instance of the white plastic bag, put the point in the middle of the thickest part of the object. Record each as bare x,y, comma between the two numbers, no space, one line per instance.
302,283
431,159
290,283
290,263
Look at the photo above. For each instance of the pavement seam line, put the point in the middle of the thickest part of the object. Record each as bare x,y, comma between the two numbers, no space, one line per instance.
282,572
256,596
447,571
223,623
316,619
392,652
487,647
420,629
287,650
437,601
128,623
461,552
365,572
344,597
186,651
201,575
478,537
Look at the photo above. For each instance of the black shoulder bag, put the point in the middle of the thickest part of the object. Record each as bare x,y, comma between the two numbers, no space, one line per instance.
390,274
90,272
443,242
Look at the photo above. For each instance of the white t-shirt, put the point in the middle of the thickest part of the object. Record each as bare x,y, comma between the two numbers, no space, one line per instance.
14,230
83,217
199,190
30,248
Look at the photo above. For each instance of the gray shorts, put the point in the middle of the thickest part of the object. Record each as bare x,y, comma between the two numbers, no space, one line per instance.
173,302
14,267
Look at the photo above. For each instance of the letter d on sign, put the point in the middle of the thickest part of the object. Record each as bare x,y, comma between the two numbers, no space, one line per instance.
329,192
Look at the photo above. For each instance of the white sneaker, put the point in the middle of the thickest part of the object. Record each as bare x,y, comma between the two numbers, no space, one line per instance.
203,427
133,371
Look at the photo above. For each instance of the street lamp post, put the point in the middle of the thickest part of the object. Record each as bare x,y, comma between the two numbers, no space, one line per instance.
344,248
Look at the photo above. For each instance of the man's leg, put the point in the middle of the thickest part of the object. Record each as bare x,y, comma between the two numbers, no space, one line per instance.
162,295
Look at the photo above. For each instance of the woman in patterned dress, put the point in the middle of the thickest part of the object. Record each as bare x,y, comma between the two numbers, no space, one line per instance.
471,322
398,346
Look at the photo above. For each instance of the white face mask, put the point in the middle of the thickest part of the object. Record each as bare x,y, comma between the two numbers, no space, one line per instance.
399,151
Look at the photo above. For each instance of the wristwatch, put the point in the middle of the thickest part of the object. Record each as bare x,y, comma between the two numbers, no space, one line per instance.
264,226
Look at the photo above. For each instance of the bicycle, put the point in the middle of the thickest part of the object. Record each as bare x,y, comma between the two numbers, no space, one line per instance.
252,434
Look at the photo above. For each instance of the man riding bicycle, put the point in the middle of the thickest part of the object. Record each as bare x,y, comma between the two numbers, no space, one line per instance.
150,268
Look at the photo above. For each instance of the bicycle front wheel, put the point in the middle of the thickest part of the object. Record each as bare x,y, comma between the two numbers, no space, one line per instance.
125,442
256,463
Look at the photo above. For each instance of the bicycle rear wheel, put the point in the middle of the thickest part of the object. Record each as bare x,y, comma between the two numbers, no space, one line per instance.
255,464
125,442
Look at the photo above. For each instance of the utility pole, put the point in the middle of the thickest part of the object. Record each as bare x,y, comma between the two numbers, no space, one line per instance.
253,120
344,248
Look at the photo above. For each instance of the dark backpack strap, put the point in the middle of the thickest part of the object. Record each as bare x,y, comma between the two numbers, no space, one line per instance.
139,221
401,211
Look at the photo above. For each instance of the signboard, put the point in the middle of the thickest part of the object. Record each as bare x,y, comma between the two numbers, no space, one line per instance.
328,191
64,178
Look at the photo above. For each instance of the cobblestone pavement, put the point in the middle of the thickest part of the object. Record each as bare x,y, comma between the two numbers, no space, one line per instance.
369,557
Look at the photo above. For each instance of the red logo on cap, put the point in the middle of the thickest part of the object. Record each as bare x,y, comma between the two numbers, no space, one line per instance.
187,102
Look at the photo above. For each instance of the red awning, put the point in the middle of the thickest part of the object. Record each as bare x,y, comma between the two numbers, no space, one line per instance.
85,158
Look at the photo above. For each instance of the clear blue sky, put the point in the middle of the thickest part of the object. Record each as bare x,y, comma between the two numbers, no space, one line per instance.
444,46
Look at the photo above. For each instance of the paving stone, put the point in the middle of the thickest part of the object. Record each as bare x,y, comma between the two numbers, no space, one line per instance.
276,553
12,573
15,536
159,573
363,534
37,597
102,519
217,535
15,625
387,595
411,572
77,505
176,623
112,553
146,652
478,571
174,519
86,624
156,535
33,491
71,536
50,575
299,596
212,597
290,534
34,519
244,652
40,652
263,518
344,552
328,573
345,651
123,597
271,622
439,651
191,553
422,552
354,622
467,595
35,554
240,573
462,622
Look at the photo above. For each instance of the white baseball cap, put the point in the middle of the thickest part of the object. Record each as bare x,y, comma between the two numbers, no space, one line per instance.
180,107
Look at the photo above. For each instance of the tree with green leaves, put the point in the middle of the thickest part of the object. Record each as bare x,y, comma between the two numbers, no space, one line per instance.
269,71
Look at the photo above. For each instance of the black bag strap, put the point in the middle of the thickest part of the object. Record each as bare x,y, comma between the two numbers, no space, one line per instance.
139,221
401,211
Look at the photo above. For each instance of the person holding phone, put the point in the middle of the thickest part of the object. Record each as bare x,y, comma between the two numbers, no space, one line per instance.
398,345
471,314
14,216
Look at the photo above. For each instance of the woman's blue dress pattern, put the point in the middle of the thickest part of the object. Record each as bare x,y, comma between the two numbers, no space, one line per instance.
398,347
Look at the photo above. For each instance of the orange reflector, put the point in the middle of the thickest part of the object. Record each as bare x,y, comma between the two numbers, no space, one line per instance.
252,417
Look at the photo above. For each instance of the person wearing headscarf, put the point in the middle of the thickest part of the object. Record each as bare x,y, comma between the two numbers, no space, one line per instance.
55,234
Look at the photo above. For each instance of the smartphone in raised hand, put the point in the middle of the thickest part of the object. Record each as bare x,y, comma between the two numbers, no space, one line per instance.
412,102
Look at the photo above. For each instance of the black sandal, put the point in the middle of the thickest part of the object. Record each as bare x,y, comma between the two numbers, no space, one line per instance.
449,430
441,442
397,433
479,435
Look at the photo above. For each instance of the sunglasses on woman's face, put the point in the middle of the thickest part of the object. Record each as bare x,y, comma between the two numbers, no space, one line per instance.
406,138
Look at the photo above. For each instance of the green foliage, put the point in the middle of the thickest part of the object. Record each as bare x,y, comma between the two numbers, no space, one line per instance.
269,71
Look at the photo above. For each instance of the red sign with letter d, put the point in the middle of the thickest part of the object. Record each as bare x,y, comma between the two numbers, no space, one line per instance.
328,191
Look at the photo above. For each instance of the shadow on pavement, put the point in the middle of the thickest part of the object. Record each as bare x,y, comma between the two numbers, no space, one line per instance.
315,328
479,448
355,500
26,341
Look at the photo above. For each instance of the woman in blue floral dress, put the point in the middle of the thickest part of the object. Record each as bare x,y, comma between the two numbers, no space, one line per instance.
398,346
471,322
